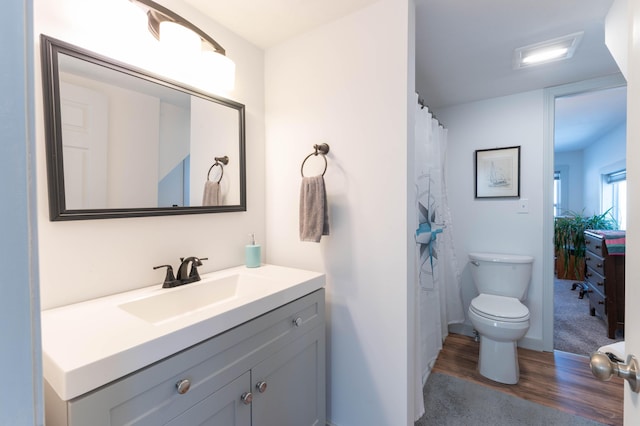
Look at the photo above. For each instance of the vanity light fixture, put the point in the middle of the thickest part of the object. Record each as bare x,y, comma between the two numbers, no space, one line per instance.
552,50
202,60
180,39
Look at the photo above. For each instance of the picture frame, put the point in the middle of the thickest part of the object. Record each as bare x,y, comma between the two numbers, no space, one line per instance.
497,172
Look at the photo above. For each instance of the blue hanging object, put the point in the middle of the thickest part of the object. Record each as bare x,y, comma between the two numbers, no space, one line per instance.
427,236
424,233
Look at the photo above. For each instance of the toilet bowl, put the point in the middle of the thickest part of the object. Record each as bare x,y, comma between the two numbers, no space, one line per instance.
500,322
498,314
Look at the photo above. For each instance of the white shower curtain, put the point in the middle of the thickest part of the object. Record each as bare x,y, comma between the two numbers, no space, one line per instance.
437,288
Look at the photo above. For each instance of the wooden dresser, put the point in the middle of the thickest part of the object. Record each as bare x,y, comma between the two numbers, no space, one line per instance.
604,278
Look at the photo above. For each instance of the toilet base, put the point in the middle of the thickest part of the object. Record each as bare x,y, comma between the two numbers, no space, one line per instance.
498,360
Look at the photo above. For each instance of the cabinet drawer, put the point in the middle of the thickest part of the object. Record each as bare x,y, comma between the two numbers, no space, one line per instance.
594,262
597,301
150,397
595,243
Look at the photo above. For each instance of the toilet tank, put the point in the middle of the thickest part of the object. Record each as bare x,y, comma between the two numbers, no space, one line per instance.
501,274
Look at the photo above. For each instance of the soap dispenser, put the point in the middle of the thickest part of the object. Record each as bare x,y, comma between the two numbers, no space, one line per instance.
252,253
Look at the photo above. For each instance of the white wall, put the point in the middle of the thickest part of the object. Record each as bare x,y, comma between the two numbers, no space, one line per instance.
207,120
616,34
586,167
572,161
80,260
346,84
606,155
494,225
133,148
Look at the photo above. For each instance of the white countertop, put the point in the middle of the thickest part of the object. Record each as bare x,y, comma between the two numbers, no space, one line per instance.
89,344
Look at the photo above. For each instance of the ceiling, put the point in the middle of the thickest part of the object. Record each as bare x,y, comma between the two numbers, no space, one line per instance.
266,23
584,118
464,48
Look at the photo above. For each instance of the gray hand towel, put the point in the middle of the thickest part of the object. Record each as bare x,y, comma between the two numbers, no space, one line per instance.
314,218
211,196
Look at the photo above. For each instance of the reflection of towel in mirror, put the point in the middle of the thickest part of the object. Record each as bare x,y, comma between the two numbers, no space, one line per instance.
314,218
211,196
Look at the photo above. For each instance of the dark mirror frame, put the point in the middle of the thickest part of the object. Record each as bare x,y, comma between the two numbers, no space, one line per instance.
50,48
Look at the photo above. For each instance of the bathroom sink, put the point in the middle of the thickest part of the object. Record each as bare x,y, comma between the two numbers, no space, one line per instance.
124,332
191,298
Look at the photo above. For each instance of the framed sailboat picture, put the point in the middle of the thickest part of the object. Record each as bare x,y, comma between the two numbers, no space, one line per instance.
498,172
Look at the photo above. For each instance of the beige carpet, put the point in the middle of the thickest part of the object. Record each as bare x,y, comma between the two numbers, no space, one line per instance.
575,330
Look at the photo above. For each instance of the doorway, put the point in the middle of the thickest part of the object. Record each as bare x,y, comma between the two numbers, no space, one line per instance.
585,140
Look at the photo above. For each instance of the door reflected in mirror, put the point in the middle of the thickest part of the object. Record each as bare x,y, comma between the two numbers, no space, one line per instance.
122,142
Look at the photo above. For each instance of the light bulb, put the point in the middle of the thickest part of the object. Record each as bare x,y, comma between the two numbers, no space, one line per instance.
545,55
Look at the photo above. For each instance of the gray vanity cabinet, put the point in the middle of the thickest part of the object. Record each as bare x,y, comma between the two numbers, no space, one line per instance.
281,352
292,391
295,392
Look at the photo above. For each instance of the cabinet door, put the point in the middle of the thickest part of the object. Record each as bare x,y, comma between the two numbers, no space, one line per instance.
222,408
295,389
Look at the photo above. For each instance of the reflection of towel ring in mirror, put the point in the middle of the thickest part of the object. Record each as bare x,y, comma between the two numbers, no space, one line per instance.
321,149
219,162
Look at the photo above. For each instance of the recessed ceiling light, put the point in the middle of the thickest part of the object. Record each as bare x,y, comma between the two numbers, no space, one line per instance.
547,51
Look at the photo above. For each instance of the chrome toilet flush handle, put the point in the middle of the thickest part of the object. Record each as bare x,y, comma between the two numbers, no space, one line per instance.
604,368
474,263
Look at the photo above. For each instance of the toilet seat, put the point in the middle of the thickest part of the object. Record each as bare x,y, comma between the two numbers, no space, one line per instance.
499,308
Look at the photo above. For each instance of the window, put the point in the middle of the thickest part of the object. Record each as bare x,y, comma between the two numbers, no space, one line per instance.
560,190
557,211
614,196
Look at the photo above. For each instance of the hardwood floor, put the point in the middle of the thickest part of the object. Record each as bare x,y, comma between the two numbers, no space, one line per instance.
560,380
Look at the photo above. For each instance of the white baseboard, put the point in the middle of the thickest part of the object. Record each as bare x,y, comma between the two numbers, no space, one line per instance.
531,343
464,329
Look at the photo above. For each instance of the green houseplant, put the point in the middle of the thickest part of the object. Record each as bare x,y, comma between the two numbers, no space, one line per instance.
569,243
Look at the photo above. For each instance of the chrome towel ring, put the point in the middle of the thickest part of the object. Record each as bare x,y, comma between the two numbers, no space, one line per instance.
321,149
219,162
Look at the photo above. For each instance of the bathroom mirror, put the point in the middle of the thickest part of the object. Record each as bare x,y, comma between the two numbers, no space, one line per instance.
122,142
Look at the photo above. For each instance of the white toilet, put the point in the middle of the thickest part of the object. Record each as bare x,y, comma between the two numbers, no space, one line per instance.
497,313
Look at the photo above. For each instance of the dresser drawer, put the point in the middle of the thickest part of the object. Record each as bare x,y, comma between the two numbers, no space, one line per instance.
594,262
604,276
595,243
597,301
596,280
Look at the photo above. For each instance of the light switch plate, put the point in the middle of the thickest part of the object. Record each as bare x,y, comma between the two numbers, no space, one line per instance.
523,205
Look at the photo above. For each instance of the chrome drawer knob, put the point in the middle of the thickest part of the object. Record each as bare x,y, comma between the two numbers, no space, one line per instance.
183,386
297,322
261,386
246,398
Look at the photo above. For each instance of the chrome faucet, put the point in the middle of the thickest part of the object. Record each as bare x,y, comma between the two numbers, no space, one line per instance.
184,276
193,275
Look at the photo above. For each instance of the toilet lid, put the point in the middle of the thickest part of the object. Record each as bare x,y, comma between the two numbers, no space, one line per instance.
500,308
